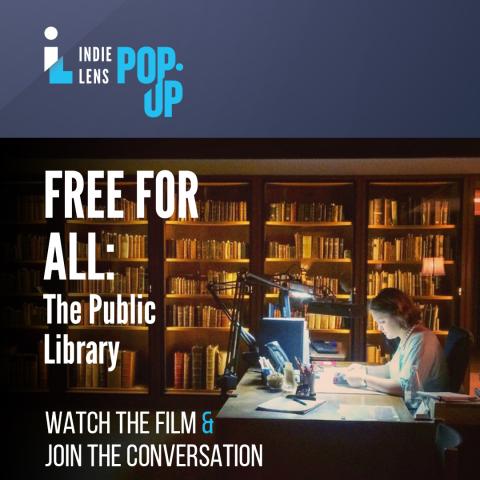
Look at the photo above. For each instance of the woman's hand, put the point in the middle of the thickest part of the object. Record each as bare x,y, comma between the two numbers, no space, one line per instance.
355,375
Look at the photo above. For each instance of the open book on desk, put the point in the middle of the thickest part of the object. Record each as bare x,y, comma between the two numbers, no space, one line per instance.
324,384
288,405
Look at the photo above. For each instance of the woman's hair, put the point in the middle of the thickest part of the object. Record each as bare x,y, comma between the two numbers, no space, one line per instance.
397,303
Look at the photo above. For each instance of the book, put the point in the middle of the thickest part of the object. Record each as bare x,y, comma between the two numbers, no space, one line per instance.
128,363
221,362
114,378
210,362
197,367
178,369
187,357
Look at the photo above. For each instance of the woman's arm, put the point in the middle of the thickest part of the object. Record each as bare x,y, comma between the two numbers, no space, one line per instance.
382,371
385,385
357,377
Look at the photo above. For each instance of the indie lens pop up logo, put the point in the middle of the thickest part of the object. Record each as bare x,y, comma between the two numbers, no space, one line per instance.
147,65
51,62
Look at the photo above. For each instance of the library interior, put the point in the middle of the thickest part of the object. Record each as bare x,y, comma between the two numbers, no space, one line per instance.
272,307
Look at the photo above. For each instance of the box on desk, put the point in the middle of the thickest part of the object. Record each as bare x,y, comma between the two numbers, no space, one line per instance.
453,411
339,355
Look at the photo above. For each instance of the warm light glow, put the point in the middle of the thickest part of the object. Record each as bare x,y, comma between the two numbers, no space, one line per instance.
476,202
433,267
297,290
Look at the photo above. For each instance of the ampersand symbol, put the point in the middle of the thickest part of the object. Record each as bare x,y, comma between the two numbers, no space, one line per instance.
207,425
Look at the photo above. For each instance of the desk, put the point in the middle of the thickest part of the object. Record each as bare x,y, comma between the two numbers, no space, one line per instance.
323,444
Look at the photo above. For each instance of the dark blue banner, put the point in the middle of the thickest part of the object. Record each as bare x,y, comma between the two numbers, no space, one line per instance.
219,68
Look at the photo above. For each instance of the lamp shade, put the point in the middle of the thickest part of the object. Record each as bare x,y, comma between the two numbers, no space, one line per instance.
433,267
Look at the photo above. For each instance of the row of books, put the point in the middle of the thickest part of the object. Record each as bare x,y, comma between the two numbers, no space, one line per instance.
317,321
199,368
87,375
217,211
274,311
413,211
374,354
24,370
197,285
26,315
196,316
308,246
27,247
125,246
430,315
30,208
306,212
132,280
318,283
85,314
411,283
410,247
193,248
23,280
128,207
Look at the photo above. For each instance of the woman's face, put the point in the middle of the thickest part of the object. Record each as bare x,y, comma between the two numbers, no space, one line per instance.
387,323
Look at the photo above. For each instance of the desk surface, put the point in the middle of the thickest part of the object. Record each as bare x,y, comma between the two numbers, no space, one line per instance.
251,393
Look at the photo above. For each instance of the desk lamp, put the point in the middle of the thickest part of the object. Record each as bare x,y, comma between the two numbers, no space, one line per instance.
236,314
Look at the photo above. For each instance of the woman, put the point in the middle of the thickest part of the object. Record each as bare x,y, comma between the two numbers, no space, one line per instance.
397,316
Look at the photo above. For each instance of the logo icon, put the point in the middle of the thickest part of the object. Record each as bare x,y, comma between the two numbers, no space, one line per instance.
56,74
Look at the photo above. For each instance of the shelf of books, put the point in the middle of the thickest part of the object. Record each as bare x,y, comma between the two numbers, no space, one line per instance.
121,249
210,248
23,250
309,236
409,222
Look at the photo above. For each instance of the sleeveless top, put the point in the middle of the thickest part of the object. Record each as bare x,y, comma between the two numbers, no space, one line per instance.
422,350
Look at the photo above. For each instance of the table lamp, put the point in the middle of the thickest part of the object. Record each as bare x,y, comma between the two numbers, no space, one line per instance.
433,267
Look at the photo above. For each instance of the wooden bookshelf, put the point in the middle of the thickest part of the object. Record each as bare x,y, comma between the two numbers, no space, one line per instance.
204,296
403,262
204,329
206,260
224,210
116,260
138,390
446,298
274,296
107,295
116,223
24,239
306,216
208,224
428,215
337,331
308,260
308,224
128,328
156,344
130,260
412,227
27,328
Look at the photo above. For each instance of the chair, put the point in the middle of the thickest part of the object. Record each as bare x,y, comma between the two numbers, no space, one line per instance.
457,353
448,441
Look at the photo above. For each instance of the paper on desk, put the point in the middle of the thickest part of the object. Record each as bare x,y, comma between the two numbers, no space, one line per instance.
287,405
325,384
381,413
